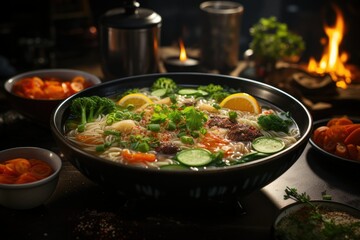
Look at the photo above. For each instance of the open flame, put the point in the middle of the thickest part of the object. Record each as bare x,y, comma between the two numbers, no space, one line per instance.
332,61
182,56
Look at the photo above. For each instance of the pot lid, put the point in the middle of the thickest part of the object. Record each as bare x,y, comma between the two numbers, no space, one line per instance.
131,16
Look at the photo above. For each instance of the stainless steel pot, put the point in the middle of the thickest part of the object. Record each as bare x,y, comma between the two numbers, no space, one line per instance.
129,41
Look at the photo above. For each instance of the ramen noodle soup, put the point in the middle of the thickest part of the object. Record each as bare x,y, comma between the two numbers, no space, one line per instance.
167,126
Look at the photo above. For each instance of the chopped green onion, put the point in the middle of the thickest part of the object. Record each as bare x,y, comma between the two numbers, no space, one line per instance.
103,147
216,106
171,126
195,134
232,115
173,98
112,132
100,148
187,140
143,147
203,131
182,133
154,127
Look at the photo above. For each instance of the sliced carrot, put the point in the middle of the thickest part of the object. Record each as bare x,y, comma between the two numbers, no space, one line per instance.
339,121
353,138
212,141
49,88
319,135
350,128
79,79
2,168
7,179
9,169
40,171
34,93
77,86
337,133
38,82
20,165
340,136
329,144
54,91
66,88
22,170
341,150
353,152
26,178
138,156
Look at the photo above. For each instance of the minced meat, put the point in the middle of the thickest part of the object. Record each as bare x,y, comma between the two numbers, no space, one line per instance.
241,132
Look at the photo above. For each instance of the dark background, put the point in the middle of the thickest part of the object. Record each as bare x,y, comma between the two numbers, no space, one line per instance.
44,33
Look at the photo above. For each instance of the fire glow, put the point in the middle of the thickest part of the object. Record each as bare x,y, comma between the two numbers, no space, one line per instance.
182,56
332,61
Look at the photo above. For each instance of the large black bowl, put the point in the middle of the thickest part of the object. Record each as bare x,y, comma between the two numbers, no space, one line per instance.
221,183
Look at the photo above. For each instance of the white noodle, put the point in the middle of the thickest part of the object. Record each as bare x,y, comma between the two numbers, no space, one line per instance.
94,135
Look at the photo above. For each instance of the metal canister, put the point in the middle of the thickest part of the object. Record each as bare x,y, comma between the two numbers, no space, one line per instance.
129,41
221,21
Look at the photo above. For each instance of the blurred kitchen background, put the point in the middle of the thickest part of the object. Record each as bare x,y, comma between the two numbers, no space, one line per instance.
58,33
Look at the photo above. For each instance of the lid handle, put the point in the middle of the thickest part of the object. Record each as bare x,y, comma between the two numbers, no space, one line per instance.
131,7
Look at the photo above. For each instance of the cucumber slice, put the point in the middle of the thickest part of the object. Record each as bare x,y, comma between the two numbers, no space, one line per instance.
159,92
268,145
203,93
194,157
188,91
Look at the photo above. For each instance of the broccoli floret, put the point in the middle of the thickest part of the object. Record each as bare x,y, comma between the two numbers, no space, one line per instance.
83,108
164,83
219,96
216,92
211,88
275,122
88,108
103,105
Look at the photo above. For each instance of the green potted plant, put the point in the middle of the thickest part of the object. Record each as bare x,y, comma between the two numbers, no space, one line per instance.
272,41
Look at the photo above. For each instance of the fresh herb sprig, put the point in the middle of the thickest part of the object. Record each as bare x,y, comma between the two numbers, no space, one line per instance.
292,193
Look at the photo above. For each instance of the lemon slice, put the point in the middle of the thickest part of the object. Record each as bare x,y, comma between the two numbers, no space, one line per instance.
241,102
135,99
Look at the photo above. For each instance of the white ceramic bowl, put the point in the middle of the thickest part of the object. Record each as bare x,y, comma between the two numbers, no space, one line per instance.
34,194
39,110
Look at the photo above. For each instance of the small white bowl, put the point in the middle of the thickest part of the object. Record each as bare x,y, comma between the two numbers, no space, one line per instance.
34,194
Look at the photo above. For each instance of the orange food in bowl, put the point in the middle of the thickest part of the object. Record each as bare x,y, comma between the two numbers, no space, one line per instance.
49,88
22,170
340,136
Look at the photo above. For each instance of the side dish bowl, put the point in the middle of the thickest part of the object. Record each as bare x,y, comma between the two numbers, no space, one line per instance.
328,155
39,110
32,194
293,221
218,183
